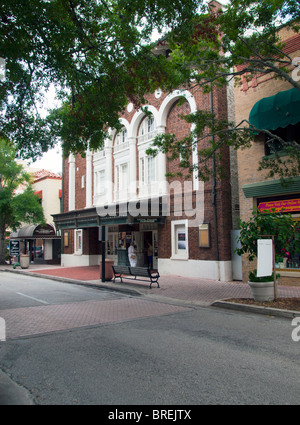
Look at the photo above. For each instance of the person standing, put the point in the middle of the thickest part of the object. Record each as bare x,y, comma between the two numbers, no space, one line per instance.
150,255
132,255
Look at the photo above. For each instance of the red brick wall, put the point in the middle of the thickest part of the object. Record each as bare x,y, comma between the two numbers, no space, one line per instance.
175,124
80,193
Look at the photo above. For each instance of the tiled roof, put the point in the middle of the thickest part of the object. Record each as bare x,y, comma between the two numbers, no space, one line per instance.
45,174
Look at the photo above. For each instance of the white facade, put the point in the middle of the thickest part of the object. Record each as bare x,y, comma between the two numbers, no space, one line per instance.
122,150
50,188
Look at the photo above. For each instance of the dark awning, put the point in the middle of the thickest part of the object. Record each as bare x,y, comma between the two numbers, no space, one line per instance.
280,110
36,232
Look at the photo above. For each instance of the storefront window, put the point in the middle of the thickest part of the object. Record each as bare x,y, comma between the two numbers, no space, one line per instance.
78,242
290,259
112,244
290,133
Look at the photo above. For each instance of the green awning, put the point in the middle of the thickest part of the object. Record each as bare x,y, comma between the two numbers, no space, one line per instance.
280,110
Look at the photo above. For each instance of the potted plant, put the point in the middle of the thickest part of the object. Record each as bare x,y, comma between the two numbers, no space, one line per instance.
286,236
262,287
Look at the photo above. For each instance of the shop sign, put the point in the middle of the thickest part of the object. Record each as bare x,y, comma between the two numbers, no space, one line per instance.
44,230
147,220
290,205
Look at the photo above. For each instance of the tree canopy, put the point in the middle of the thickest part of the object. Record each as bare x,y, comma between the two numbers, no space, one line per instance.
97,53
242,40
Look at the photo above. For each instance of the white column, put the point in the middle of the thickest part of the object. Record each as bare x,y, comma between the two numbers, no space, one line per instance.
71,182
162,166
132,168
108,172
88,186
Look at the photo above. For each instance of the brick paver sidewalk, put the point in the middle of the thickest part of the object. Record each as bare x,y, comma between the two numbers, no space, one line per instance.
28,321
193,290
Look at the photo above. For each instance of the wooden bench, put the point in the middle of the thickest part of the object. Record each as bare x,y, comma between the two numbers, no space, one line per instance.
127,272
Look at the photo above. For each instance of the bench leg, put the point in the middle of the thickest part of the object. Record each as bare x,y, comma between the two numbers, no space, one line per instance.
116,277
154,281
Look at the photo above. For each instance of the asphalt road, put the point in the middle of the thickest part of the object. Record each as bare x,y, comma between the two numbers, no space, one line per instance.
157,356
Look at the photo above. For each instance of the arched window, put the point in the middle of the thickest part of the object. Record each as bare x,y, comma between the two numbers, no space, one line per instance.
121,141
147,131
121,161
147,164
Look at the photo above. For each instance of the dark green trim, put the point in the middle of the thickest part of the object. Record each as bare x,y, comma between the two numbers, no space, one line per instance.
110,220
270,188
276,111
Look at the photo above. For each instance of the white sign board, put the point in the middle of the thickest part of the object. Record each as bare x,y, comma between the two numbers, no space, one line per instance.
264,257
2,330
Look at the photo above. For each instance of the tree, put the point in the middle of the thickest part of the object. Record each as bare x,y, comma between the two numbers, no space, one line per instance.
97,53
243,39
282,226
15,208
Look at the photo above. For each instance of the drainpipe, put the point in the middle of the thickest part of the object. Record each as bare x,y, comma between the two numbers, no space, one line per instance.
62,185
103,253
214,192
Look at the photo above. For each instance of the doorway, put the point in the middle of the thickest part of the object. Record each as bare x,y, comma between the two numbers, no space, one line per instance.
152,237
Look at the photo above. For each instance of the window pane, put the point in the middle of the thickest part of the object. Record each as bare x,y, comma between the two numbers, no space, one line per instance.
181,241
150,124
123,176
151,169
142,171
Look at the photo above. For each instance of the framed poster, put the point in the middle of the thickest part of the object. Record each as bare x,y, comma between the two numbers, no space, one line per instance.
66,239
204,235
181,239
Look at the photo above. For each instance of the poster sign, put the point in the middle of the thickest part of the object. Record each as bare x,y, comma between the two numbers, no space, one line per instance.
289,205
181,239
14,248
264,257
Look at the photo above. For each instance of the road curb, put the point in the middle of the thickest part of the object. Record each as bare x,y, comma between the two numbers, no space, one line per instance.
130,290
288,314
12,394
116,287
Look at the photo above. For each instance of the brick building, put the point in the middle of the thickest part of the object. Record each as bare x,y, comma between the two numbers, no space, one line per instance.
188,222
255,188
43,242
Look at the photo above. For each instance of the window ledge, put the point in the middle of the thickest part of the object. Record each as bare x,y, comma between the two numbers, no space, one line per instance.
175,257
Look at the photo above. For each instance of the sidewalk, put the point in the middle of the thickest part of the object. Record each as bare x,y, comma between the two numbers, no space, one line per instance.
191,291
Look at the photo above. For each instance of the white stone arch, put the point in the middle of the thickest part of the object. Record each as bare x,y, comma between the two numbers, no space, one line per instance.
163,115
112,131
170,100
139,116
133,142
